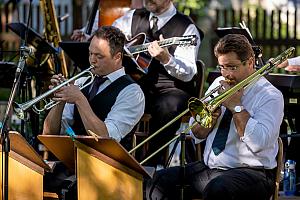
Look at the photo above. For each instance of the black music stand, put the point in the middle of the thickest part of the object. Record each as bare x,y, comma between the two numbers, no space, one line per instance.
34,38
78,52
221,32
7,72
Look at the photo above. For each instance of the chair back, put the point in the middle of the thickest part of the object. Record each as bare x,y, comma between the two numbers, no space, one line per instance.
278,168
200,77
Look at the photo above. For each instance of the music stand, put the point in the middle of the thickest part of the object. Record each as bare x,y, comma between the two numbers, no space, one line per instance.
78,52
34,38
7,72
221,32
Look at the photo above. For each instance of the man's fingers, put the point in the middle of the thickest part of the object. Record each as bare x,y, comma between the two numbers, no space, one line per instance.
161,37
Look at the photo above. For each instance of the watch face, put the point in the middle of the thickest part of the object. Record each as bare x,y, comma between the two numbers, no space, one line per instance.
238,108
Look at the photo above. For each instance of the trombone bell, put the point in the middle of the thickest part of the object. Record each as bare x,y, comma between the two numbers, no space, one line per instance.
200,113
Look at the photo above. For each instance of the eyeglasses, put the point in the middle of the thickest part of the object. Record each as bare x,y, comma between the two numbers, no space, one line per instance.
231,68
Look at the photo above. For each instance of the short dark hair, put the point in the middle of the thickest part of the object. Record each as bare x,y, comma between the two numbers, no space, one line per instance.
114,36
234,43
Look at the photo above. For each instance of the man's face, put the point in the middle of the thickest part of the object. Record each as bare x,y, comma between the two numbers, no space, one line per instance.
157,6
234,69
100,57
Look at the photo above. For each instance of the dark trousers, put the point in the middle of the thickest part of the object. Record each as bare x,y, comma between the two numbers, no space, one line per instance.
61,181
163,105
212,184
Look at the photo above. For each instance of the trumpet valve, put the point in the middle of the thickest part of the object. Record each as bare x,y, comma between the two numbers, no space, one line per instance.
18,110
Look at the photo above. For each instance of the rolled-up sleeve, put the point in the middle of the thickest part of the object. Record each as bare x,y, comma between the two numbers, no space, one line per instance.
264,123
183,64
126,112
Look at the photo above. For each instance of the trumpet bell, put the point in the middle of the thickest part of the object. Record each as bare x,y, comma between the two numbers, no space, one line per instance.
200,113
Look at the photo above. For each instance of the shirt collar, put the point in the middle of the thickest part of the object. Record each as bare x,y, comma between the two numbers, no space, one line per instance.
116,74
164,17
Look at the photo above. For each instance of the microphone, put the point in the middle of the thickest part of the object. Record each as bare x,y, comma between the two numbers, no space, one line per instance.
63,18
24,53
28,50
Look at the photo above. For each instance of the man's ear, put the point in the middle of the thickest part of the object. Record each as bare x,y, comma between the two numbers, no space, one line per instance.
118,56
251,61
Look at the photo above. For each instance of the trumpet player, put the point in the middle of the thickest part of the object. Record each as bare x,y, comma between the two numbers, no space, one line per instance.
110,109
241,145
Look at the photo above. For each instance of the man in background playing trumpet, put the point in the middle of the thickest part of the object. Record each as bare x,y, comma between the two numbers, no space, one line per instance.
116,105
119,102
241,145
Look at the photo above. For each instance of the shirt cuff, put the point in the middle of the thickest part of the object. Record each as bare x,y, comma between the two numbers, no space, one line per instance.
294,61
171,62
113,131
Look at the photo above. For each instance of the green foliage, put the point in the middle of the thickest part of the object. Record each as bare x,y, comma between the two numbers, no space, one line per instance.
4,94
189,7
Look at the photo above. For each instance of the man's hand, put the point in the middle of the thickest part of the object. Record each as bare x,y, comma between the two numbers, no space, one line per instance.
56,79
200,132
235,98
161,54
69,94
78,35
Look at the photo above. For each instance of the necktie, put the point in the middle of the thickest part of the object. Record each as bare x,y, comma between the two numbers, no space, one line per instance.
96,83
222,133
154,28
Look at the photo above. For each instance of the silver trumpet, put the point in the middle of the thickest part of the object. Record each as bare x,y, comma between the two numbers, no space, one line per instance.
21,108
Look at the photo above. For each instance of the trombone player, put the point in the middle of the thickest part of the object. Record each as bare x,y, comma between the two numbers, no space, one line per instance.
241,145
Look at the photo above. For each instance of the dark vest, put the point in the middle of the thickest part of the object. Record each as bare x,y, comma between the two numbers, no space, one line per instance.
157,77
102,103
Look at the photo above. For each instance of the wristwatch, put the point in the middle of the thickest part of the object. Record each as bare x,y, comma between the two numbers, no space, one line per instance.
238,109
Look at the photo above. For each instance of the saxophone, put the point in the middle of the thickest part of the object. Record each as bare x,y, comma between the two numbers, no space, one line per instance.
52,35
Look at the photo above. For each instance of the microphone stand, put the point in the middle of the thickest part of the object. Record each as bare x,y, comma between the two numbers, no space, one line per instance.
182,186
182,165
5,141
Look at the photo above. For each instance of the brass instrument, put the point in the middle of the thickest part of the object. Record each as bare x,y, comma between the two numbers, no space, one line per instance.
202,110
21,108
52,34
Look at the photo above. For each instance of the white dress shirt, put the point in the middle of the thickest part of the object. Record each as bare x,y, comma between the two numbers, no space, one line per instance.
183,64
124,114
258,147
294,61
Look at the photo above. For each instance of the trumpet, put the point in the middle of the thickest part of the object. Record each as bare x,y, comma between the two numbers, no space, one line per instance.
21,108
202,110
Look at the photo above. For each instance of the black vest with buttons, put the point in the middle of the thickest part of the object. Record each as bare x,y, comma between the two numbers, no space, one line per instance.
102,103
157,76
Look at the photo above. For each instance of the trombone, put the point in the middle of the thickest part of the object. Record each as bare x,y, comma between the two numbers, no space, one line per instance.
202,110
21,108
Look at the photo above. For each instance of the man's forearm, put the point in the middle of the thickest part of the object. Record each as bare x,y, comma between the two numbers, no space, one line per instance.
90,120
52,122
200,132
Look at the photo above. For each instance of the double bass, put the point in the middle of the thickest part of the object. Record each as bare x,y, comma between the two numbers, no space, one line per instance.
109,11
